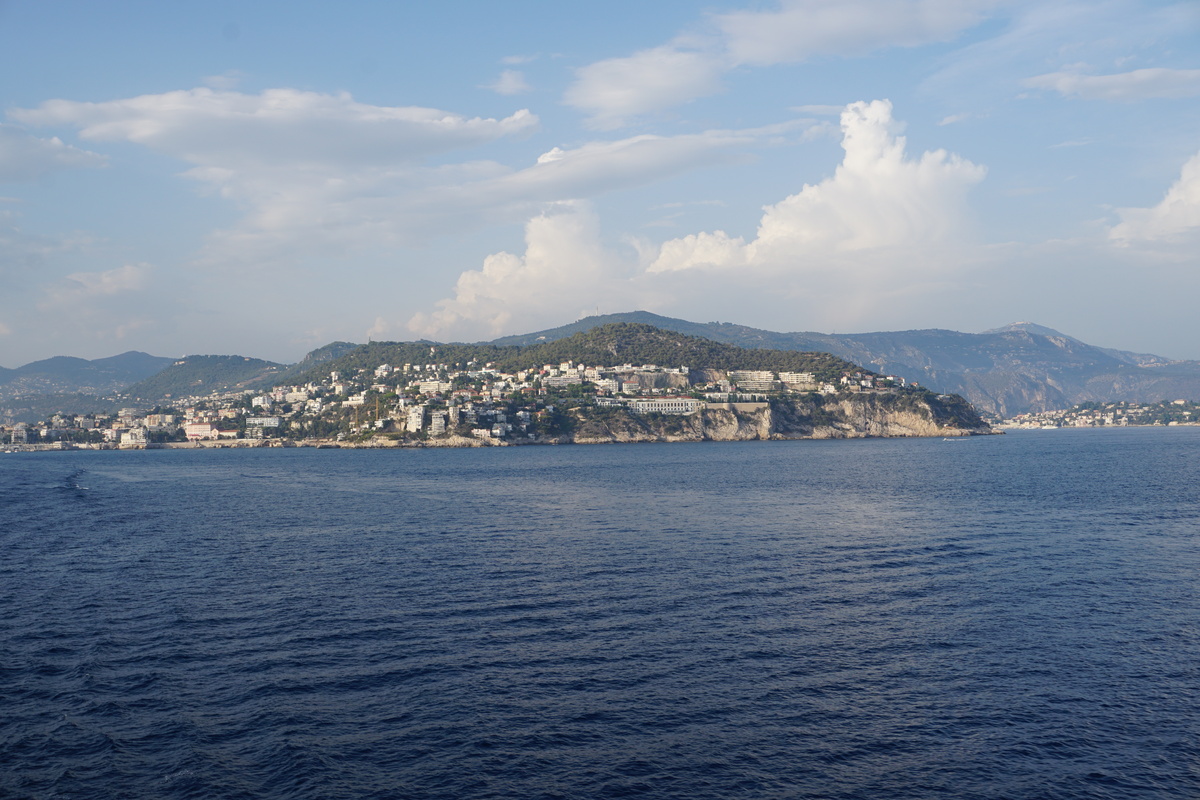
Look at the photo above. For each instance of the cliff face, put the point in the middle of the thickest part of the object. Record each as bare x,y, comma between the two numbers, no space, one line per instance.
845,417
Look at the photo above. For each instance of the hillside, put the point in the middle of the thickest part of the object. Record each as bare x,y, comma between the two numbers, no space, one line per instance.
200,375
1010,370
68,375
609,344
33,408
1007,371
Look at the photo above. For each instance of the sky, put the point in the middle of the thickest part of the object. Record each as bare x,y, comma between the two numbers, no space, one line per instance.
265,178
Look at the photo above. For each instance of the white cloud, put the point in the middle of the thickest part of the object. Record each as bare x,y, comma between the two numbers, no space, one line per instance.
801,29
81,286
596,167
312,171
1140,84
510,82
280,127
1175,219
565,270
24,157
613,90
883,227
877,198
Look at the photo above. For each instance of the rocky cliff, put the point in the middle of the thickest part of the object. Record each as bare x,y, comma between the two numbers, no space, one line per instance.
805,417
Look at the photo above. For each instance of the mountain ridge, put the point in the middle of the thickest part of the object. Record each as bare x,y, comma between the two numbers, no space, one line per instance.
1013,369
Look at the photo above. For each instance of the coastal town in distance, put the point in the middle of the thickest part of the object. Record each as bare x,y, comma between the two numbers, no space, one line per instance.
425,394
471,403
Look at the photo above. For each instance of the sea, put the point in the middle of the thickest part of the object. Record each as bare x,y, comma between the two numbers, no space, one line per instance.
1010,616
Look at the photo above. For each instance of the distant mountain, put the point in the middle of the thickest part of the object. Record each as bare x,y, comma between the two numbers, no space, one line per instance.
67,375
1011,370
201,375
1139,359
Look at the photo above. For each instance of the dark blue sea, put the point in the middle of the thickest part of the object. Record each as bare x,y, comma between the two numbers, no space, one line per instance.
1001,617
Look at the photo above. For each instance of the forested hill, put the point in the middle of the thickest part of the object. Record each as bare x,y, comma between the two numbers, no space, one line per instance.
200,375
606,345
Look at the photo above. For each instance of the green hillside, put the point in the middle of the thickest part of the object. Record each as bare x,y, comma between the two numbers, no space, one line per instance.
607,345
201,375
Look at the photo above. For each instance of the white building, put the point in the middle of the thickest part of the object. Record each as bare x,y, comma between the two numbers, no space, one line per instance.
666,405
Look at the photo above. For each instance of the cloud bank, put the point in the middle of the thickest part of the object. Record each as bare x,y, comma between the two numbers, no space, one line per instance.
883,221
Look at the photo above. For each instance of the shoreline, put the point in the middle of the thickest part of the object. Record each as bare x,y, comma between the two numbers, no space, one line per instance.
461,442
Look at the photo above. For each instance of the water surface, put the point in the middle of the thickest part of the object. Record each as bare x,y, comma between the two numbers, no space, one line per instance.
1009,616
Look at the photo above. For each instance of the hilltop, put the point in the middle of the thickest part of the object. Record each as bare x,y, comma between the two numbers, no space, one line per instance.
1006,371
1015,369
619,382
201,375
68,375
617,342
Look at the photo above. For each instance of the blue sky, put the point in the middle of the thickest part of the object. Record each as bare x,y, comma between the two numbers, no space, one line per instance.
264,178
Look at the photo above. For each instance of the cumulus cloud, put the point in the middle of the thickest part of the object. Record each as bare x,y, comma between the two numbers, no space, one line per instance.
25,157
884,224
565,270
877,198
1175,219
613,90
1140,84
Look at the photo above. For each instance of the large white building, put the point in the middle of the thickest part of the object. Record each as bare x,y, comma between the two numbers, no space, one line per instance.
666,405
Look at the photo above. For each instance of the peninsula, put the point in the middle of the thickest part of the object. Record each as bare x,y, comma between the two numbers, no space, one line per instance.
622,382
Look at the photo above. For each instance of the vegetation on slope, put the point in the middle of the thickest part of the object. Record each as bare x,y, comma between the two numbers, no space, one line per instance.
201,375
607,345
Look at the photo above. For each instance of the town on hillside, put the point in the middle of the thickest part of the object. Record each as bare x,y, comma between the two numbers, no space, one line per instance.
465,403
1100,415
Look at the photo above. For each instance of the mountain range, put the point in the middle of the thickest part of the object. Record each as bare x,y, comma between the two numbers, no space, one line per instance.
66,374
1019,368
1011,370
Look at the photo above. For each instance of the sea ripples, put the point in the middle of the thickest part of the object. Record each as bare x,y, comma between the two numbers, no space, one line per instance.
836,620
